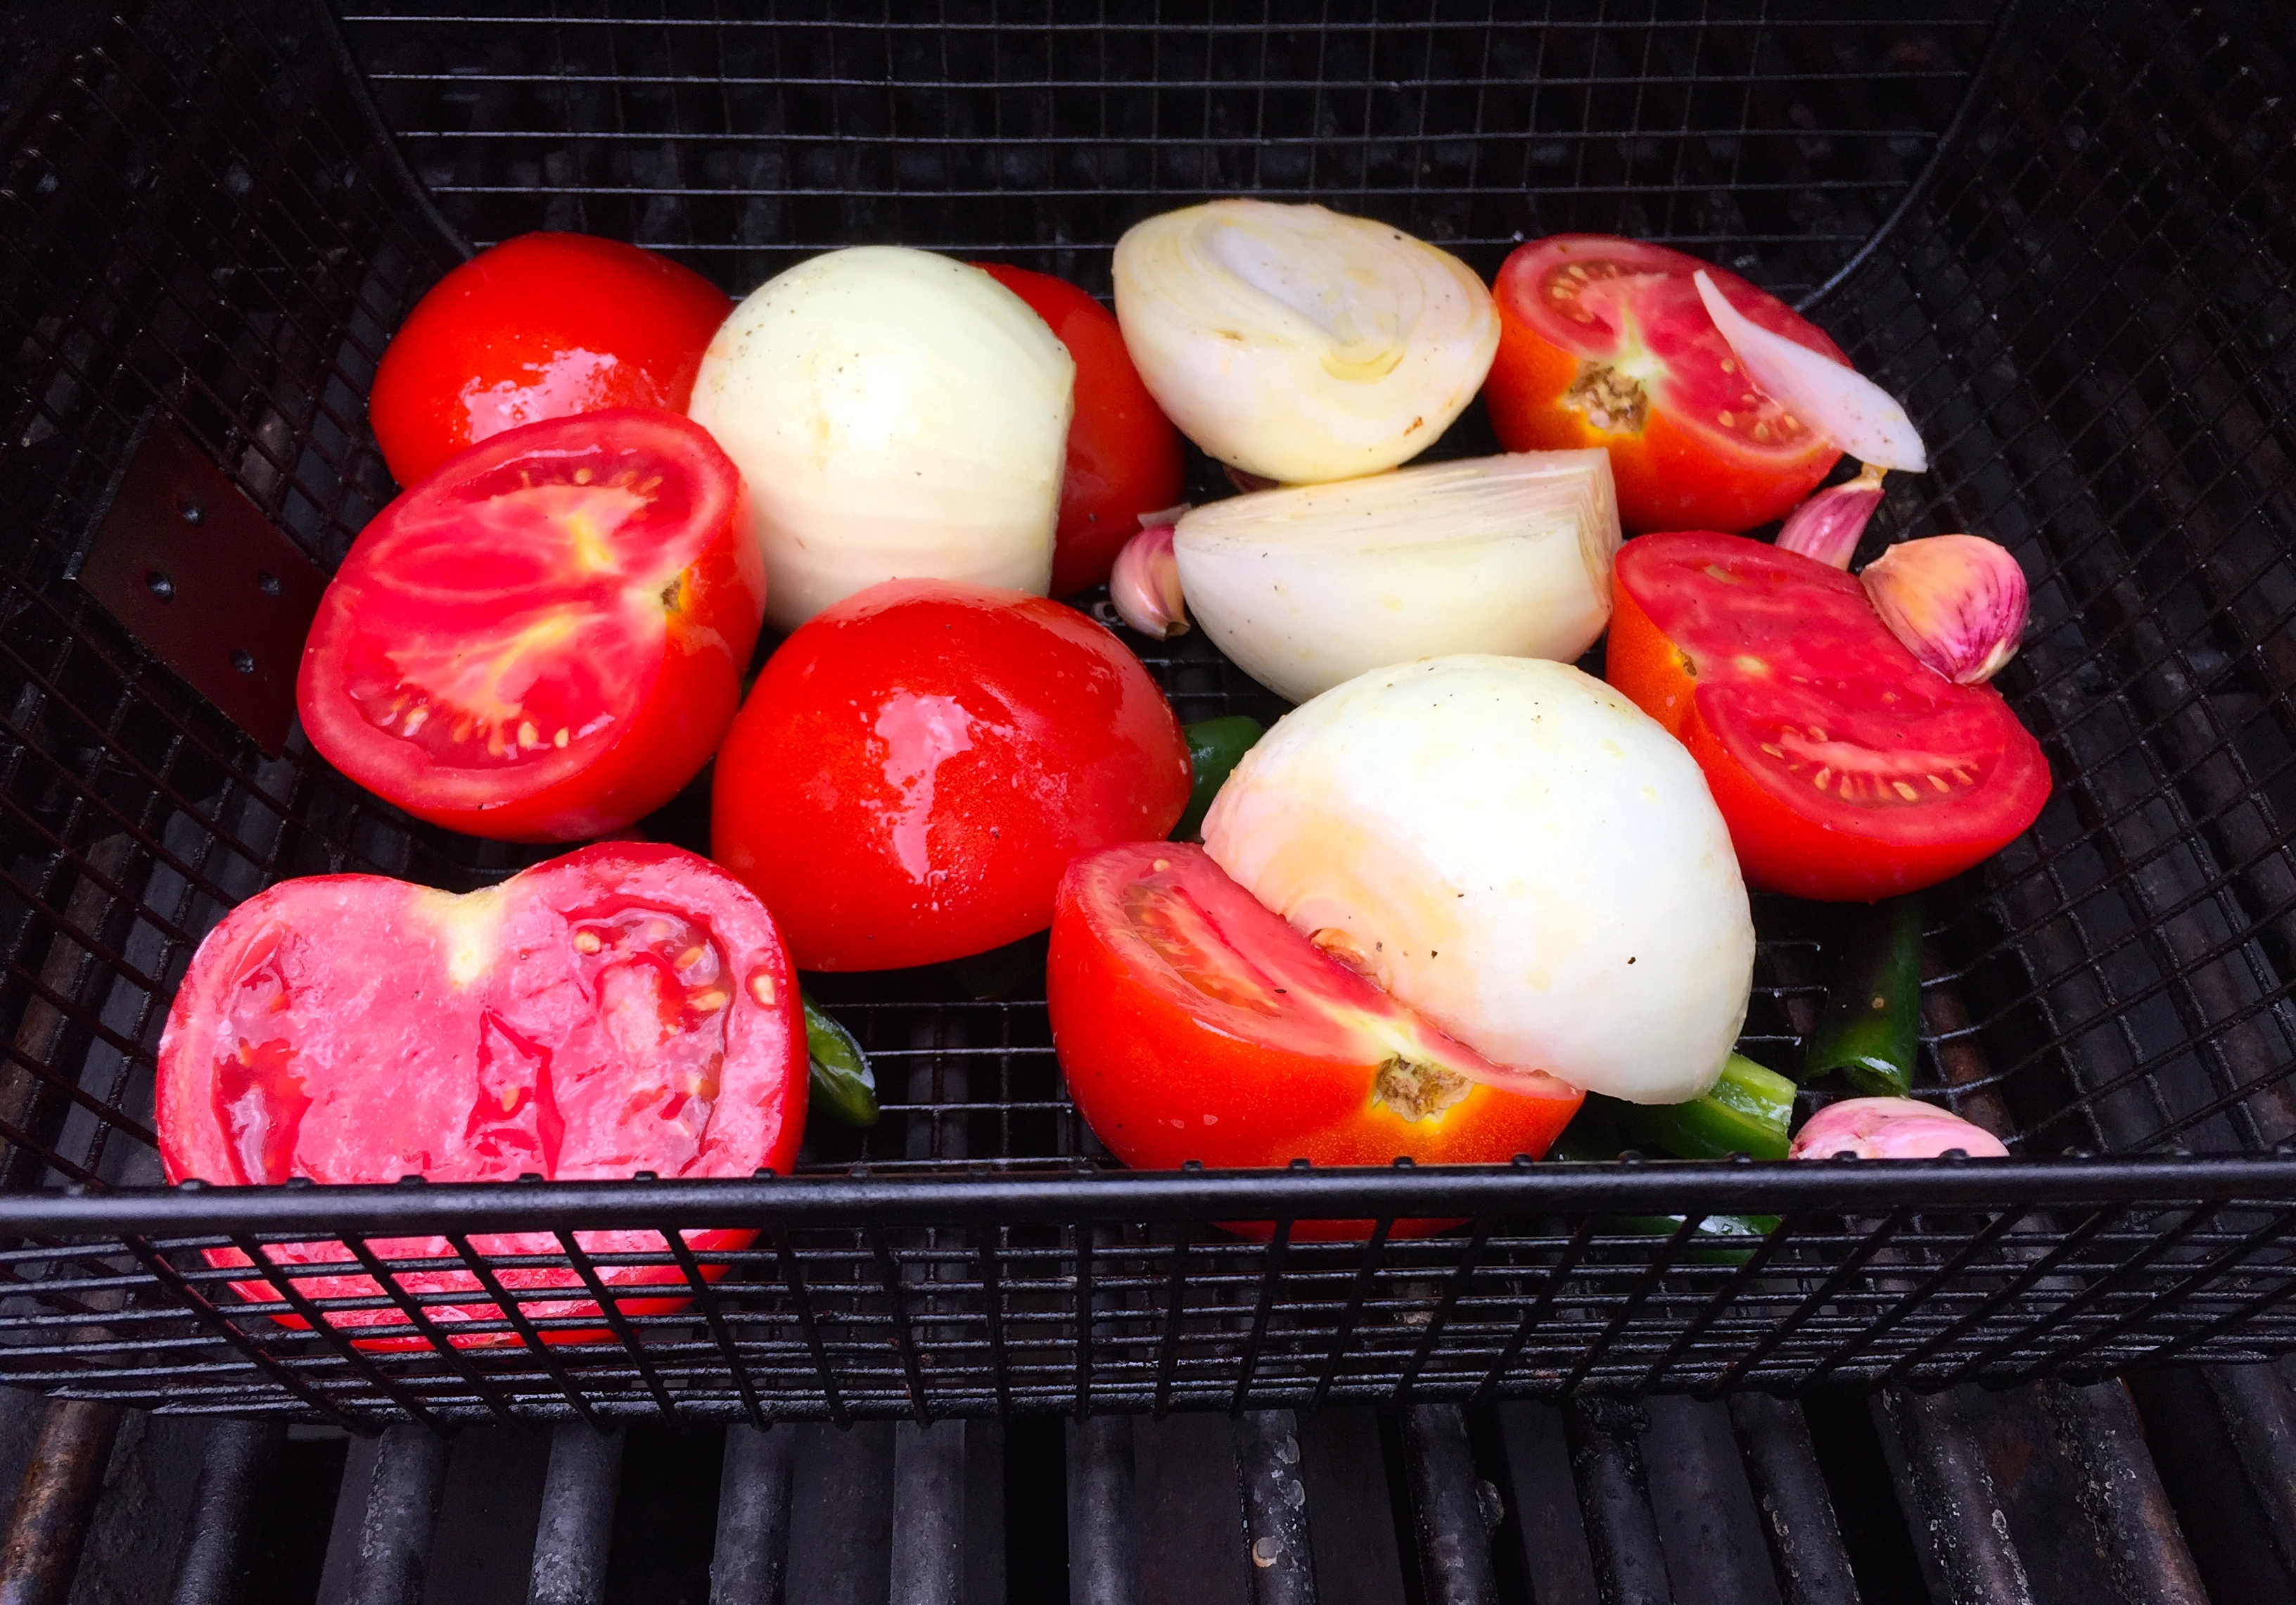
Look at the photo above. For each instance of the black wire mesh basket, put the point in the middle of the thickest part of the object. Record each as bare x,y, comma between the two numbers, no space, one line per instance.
2063,232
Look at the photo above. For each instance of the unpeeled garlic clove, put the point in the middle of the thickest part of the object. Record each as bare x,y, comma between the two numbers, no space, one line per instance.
1827,525
1957,601
1890,1128
1145,585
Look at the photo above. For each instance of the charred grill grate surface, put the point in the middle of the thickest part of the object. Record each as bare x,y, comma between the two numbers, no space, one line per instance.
2062,234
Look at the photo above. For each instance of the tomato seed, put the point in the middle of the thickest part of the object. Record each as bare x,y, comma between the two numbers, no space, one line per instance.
528,736
560,739
689,956
1775,752
581,476
415,719
1727,419
1905,791
1940,785
710,1001
586,941
761,988
1822,777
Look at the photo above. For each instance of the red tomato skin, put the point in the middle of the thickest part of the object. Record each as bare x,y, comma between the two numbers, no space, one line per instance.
1676,473
917,765
1782,848
1124,454
539,326
395,1060
683,696
1163,1078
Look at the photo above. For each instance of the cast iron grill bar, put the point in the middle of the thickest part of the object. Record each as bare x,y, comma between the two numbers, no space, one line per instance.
1272,1488
1454,1553
2097,1428
750,1558
1614,1503
1807,1555
1947,1491
240,1457
928,1534
402,1511
577,1522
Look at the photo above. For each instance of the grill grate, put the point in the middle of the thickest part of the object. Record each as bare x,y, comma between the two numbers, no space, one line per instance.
2062,235
2052,1494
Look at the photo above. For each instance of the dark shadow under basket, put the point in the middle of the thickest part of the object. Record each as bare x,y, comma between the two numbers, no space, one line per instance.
2064,235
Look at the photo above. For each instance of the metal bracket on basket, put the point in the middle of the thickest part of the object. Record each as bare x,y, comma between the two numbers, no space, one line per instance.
205,583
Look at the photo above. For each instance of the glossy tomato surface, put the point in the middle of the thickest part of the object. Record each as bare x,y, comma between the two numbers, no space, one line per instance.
1124,454
1194,1023
1845,768
917,765
539,326
544,639
1604,342
625,1007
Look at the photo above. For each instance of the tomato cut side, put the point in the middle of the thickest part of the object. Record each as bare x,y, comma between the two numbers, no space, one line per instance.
1194,1023
1123,453
1845,768
918,764
1604,342
544,641
625,1007
542,325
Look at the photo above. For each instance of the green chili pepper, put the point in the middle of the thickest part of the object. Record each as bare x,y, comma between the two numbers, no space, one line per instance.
1872,1027
1594,1135
842,1085
1747,1111
1214,747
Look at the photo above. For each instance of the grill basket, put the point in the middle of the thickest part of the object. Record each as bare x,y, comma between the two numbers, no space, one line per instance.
2063,232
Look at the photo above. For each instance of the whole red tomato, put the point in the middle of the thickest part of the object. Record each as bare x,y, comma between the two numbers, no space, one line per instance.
625,1007
1124,454
544,639
1604,342
1194,1023
917,765
539,326
1846,769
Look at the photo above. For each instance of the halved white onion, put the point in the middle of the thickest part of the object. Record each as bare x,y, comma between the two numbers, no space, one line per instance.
1517,852
895,415
1308,586
1833,398
1298,343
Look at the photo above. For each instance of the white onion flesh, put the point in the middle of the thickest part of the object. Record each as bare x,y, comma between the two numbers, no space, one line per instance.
895,415
1310,585
1833,398
1300,344
1521,853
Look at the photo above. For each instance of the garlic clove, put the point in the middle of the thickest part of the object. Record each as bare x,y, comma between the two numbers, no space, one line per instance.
1833,398
1890,1128
1957,601
1827,525
1145,585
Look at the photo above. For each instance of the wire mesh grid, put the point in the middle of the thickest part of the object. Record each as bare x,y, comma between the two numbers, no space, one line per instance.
2064,237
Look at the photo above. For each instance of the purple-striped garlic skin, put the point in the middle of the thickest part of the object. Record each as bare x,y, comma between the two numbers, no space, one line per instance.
1957,602
1145,585
1890,1128
1827,525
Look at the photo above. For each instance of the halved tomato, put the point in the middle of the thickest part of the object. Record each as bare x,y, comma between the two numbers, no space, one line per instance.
1194,1023
625,1007
1845,768
1123,455
1604,342
544,639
